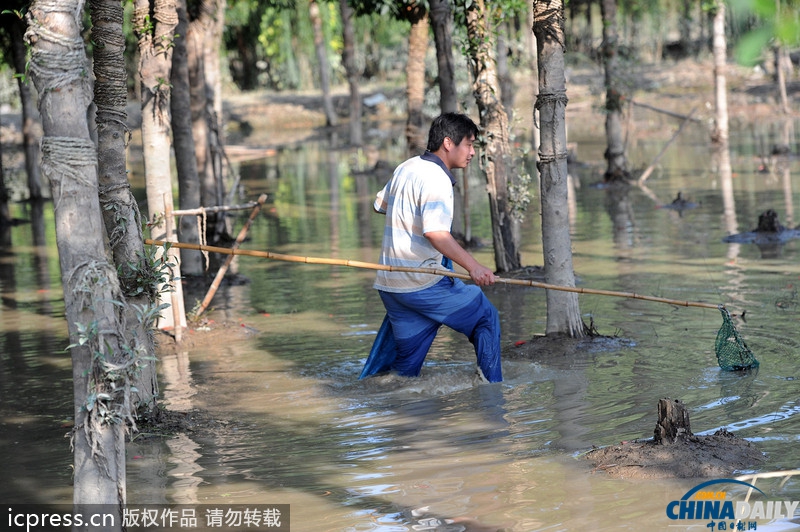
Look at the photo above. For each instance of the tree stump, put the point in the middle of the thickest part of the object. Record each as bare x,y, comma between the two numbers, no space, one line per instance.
673,422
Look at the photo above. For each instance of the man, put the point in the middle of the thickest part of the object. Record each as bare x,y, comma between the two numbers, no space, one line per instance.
418,204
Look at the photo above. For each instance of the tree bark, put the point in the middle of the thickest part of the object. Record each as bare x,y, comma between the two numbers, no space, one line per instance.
30,135
506,82
780,60
673,422
185,160
154,24
720,133
563,312
496,151
617,165
121,215
203,39
441,20
415,80
349,61
323,64
101,367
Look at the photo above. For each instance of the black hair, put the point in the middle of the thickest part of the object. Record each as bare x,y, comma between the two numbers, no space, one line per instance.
453,125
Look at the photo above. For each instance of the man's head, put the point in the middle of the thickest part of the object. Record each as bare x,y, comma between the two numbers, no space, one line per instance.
453,125
451,137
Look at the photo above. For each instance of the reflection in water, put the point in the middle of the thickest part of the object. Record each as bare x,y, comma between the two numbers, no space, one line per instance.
184,455
176,381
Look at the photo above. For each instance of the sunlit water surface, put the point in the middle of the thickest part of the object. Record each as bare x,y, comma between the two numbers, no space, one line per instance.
296,426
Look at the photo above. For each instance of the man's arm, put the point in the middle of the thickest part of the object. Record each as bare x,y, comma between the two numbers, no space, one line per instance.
445,244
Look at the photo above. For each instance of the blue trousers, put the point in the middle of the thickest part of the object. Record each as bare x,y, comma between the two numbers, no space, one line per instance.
415,318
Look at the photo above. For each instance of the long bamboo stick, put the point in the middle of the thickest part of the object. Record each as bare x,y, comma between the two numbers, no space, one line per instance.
434,271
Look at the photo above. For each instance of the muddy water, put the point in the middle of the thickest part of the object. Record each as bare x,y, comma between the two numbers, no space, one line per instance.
296,427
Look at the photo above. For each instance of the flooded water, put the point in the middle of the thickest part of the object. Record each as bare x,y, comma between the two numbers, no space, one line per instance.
297,427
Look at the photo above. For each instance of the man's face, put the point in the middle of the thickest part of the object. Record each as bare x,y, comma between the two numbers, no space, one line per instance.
459,155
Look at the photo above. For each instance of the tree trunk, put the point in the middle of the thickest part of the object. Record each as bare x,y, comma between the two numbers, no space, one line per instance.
322,60
5,212
349,61
185,161
415,80
154,24
617,167
534,66
780,77
673,422
720,133
563,312
441,20
121,215
496,151
199,104
101,367
30,137
202,44
506,82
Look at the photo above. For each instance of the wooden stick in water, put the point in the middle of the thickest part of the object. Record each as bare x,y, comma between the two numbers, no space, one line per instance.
434,271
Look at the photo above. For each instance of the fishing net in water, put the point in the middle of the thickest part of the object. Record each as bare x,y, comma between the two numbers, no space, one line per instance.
732,353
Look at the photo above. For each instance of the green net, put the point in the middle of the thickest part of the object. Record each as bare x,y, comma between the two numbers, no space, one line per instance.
732,353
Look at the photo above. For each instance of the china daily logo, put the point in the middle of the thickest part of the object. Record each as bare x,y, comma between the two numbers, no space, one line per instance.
708,502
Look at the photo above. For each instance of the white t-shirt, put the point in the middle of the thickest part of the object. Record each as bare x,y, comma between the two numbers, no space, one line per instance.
416,200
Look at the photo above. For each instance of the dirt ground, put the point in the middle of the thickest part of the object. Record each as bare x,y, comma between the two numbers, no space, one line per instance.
714,455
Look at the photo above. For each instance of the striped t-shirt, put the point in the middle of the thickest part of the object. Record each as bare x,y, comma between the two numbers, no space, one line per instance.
416,200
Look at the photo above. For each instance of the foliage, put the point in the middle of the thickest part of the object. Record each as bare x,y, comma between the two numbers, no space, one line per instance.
407,10
778,23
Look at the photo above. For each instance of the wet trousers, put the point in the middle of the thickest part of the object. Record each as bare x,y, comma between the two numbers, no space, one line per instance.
415,318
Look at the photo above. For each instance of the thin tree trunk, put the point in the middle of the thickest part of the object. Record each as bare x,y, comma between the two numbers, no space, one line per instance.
101,368
496,150
720,133
349,61
121,215
199,104
534,65
415,80
503,74
563,311
154,24
442,22
617,165
30,137
780,78
203,38
322,60
185,160
5,212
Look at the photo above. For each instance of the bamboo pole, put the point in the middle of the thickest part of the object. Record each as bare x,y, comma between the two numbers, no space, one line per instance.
433,271
221,272
222,208
177,306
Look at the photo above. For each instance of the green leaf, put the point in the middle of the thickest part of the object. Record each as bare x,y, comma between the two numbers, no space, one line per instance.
748,51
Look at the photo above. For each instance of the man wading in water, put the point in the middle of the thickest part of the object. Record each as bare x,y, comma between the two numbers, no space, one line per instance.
418,204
